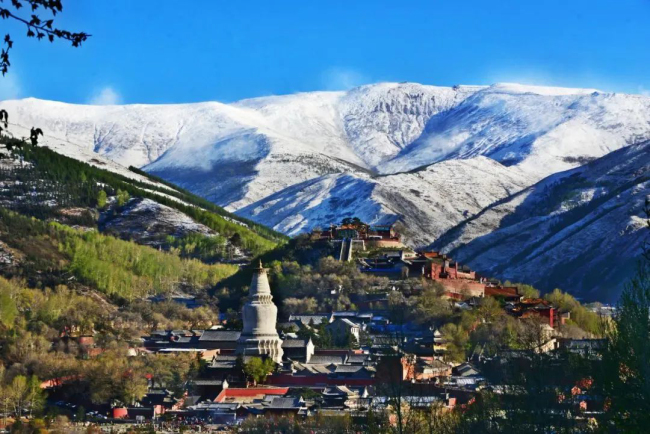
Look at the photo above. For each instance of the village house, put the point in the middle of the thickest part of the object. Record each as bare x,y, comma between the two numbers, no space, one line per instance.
234,404
308,320
345,397
429,368
300,350
341,327
533,307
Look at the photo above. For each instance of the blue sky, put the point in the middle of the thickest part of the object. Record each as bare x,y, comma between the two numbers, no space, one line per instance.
153,51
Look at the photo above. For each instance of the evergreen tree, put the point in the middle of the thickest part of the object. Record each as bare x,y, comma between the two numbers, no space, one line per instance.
626,359
625,374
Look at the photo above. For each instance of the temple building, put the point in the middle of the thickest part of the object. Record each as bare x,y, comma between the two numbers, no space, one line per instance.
259,336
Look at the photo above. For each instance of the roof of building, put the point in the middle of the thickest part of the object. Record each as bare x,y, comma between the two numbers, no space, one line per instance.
221,361
344,313
340,391
434,364
220,335
295,343
496,291
304,368
534,302
345,321
357,358
466,370
248,393
349,369
225,357
285,403
327,360
309,318
207,382
229,406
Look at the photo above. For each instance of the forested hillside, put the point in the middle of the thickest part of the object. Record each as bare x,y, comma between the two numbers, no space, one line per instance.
65,223
65,272
44,183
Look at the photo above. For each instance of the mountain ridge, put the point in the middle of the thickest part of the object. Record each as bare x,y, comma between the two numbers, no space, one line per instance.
426,158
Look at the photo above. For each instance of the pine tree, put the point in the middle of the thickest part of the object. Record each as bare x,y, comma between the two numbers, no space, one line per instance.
626,360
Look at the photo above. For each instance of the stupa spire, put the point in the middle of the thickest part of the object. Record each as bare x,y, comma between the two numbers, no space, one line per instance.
259,336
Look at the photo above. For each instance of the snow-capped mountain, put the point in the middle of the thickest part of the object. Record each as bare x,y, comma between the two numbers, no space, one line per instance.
236,154
542,130
425,157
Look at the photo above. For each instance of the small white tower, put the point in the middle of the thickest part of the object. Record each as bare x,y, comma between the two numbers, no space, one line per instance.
260,336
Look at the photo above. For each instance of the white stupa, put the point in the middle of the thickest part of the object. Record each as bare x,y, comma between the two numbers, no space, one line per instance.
259,336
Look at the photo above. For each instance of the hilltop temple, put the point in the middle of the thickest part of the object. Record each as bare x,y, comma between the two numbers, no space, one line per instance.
259,336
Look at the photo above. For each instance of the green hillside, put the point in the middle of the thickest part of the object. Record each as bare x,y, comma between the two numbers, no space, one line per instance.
51,254
71,183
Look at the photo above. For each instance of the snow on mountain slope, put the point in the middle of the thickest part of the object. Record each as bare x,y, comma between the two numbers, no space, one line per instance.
243,153
238,153
380,120
581,229
543,130
423,203
149,222
299,137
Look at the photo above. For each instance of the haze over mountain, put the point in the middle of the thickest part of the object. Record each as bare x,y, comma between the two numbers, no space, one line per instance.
427,158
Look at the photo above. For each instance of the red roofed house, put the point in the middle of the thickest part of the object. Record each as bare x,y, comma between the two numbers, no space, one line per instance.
248,395
535,307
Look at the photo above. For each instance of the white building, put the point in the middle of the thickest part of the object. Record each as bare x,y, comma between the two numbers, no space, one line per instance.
259,336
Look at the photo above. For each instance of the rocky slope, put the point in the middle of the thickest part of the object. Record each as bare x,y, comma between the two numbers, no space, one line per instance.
423,203
582,230
149,222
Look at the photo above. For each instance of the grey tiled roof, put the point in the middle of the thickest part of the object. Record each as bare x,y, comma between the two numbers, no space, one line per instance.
340,390
306,319
207,382
347,369
304,368
345,313
326,360
282,402
220,335
357,358
294,343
